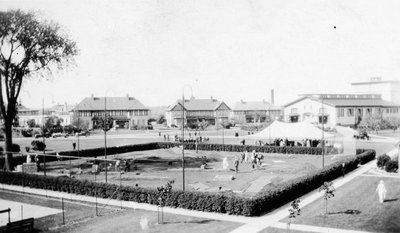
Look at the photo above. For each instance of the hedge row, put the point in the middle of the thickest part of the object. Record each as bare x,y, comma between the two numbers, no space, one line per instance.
288,191
210,202
111,150
261,149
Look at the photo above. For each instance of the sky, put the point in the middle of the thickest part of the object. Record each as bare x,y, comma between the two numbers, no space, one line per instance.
231,50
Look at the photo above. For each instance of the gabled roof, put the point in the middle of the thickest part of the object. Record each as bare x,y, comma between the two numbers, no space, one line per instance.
340,100
111,103
199,104
255,106
359,103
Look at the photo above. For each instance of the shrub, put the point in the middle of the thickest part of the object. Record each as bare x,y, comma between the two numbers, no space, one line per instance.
209,202
392,166
382,160
38,145
241,148
15,148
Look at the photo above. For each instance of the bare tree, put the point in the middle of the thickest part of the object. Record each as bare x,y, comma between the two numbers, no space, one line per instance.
28,46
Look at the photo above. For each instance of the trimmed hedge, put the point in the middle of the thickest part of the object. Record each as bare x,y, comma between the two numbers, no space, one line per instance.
209,202
112,150
241,148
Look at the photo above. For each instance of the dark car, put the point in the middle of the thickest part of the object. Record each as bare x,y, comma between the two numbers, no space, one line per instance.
39,135
361,135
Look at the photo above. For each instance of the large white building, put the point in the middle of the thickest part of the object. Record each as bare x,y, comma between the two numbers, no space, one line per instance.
388,89
60,111
338,109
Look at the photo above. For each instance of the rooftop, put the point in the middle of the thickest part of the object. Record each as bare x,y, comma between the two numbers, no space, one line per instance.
110,103
255,106
348,100
193,104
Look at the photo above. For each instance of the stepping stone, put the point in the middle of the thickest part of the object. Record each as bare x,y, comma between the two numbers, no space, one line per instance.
223,177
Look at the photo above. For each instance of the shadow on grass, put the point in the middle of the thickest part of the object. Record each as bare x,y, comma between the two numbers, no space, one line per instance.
192,221
390,200
350,212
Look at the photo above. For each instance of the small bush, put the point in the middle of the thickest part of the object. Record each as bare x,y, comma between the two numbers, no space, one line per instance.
382,160
15,148
392,166
38,145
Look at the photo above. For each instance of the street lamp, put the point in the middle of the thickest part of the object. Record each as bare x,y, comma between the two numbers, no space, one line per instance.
105,129
323,141
183,133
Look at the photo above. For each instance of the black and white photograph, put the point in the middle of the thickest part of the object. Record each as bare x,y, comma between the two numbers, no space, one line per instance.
208,116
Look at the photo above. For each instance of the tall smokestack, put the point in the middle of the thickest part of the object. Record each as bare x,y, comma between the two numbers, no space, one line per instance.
272,97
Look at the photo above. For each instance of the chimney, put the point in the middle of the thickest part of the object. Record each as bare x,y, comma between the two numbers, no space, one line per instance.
93,96
272,97
127,95
212,98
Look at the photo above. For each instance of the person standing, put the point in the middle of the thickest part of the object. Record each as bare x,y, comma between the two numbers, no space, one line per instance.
381,189
236,163
73,145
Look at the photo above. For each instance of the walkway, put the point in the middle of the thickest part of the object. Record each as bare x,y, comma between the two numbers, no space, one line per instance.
268,220
126,204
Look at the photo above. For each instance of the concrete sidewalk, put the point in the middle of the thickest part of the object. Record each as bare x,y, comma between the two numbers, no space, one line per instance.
126,204
260,223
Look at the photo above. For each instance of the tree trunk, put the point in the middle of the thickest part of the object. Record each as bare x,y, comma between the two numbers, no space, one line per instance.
8,165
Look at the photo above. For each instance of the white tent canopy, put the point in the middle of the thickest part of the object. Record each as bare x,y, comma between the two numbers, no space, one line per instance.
291,131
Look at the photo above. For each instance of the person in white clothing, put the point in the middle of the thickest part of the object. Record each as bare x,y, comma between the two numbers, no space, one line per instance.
381,189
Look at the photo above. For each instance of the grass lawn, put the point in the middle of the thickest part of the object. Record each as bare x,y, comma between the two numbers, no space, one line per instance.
355,206
80,217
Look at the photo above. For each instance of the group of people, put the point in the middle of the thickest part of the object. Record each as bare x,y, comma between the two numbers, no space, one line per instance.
285,142
192,139
253,158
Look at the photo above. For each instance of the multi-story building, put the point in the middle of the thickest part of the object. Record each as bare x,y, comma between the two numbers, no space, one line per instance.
196,111
388,89
255,111
126,112
338,109
60,111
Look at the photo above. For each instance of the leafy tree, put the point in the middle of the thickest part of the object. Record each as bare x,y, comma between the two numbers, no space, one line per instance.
161,119
79,123
104,123
294,211
373,122
392,123
31,123
28,46
163,193
328,190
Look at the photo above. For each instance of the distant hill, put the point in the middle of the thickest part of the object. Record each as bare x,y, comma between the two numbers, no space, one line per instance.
156,111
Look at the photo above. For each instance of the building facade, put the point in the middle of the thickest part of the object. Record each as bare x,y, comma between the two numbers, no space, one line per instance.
255,111
339,109
125,112
388,89
60,111
195,111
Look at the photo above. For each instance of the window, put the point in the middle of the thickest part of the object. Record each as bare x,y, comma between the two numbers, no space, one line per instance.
322,111
340,112
350,112
325,120
293,110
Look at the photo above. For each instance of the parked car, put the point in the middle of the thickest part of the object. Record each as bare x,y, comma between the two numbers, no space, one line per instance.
56,135
40,135
83,133
361,135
